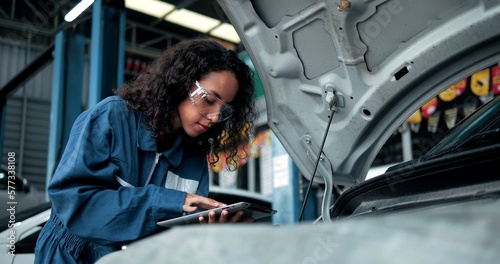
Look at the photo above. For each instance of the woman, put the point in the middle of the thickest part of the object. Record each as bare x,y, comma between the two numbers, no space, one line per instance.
139,157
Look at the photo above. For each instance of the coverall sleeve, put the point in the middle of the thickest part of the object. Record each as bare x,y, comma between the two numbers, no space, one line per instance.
86,197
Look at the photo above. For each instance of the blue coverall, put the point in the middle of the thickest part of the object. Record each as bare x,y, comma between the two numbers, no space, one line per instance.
111,187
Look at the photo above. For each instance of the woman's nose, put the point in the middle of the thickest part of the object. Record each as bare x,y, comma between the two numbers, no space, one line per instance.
214,118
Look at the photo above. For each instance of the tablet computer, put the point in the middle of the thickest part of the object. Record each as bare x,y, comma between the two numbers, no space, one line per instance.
249,209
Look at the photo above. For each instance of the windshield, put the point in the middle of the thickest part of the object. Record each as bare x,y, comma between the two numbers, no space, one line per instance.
479,129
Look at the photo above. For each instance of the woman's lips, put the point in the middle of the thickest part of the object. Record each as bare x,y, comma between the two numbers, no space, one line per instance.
202,127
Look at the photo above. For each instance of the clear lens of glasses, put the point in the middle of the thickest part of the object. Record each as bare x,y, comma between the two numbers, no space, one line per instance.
209,105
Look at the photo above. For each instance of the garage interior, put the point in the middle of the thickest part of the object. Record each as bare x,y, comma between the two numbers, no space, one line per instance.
32,30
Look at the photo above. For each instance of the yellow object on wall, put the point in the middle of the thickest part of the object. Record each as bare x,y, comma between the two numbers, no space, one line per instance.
480,82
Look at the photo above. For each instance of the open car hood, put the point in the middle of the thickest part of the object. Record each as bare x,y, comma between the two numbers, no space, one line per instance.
374,63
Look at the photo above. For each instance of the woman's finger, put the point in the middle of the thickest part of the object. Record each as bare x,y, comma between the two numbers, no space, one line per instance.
212,217
224,216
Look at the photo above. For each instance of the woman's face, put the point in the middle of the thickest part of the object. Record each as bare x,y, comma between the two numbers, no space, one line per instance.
213,92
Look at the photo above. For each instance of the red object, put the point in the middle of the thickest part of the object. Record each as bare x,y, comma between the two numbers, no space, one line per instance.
137,65
128,65
460,86
495,76
430,107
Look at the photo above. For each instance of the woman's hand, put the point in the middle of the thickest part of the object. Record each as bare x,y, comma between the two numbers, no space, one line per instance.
225,218
193,202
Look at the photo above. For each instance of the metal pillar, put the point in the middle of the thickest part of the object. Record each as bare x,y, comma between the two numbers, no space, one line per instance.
107,58
285,185
69,59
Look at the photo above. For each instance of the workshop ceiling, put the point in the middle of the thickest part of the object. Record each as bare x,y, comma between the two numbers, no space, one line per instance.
38,21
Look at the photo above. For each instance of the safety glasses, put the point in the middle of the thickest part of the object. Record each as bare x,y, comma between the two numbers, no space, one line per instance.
210,105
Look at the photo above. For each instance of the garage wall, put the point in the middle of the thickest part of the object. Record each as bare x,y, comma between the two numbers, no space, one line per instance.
27,112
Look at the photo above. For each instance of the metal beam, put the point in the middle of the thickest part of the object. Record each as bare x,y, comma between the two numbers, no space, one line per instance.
67,85
107,58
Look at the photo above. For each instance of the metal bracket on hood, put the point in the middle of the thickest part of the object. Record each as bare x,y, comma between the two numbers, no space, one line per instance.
333,99
344,4
312,152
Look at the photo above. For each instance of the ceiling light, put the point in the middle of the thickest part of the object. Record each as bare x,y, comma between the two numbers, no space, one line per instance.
78,10
150,7
185,18
192,20
227,32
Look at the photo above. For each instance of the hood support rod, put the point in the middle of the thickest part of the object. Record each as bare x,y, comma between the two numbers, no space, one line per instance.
332,100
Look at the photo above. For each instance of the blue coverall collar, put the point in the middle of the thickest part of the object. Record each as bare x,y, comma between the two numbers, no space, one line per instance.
146,142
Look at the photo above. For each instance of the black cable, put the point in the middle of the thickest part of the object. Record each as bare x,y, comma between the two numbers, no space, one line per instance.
316,166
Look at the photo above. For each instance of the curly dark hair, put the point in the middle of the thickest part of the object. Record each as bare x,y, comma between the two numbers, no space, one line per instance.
166,83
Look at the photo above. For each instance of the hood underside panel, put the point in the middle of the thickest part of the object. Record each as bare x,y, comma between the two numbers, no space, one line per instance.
373,62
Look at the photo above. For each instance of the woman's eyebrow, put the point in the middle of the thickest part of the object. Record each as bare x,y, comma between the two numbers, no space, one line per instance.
219,97
215,93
